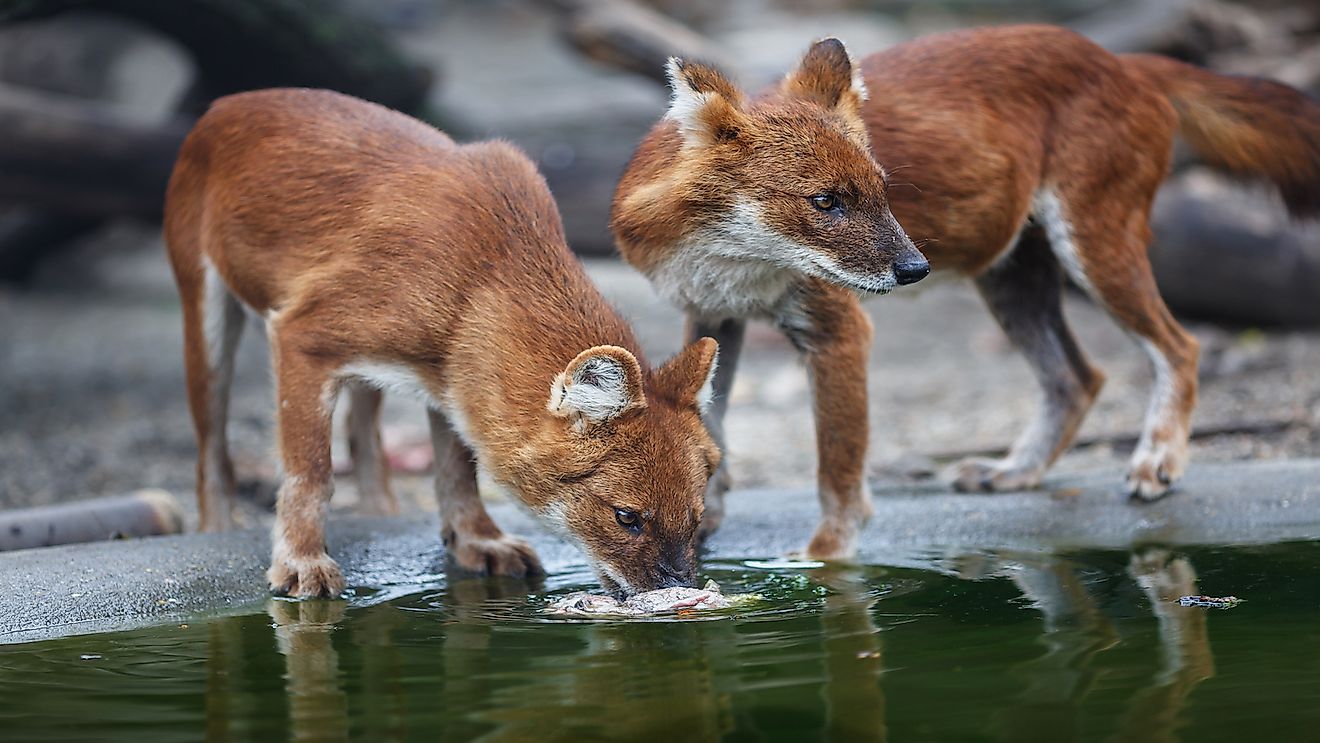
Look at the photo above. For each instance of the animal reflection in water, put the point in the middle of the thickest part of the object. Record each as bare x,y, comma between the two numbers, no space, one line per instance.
1076,631
619,672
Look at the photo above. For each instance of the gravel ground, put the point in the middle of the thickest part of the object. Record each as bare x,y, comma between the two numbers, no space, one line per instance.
92,397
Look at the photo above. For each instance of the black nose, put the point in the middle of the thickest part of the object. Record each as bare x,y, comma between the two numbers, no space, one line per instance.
910,272
672,581
674,573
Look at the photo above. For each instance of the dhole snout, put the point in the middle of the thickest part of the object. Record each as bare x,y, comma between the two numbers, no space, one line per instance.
774,189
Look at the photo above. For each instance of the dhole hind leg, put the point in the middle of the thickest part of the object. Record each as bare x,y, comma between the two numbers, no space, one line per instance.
370,469
471,537
828,325
1024,294
305,391
1107,255
213,324
729,334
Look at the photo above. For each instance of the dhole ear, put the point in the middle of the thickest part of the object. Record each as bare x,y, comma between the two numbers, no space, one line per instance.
827,75
690,375
704,104
599,384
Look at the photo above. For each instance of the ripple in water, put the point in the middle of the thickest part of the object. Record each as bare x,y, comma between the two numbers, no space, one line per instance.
784,589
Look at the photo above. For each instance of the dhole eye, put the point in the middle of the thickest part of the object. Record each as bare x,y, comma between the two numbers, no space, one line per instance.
825,202
629,520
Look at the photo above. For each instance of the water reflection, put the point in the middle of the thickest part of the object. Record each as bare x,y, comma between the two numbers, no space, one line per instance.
854,701
1185,658
1076,630
624,680
475,661
318,706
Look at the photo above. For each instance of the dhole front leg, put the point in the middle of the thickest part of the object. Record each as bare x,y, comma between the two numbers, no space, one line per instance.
370,468
729,334
305,400
471,537
1024,294
829,327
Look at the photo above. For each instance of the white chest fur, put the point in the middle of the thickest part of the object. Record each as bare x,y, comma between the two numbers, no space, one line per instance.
714,286
737,267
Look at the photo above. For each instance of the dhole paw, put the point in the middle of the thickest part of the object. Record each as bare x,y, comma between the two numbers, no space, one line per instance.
834,540
503,555
1153,472
994,476
305,577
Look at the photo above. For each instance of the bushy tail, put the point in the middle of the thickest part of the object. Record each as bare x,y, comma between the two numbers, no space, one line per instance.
1248,127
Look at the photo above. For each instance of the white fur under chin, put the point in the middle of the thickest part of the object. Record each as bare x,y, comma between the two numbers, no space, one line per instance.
740,267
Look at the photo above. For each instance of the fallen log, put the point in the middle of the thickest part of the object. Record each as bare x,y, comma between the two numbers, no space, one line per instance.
144,513
83,158
242,45
65,161
1223,255
631,37
29,235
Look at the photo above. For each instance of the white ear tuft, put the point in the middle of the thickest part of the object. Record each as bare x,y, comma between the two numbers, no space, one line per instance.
685,101
704,103
858,84
601,383
706,394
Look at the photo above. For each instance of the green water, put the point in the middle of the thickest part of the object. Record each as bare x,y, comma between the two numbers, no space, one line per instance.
1086,646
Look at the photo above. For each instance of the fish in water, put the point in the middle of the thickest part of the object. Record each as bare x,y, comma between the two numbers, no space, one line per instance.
651,602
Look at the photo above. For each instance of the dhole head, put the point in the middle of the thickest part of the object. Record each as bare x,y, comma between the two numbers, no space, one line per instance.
789,177
623,469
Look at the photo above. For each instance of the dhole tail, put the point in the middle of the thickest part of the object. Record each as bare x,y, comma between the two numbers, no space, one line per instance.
1247,127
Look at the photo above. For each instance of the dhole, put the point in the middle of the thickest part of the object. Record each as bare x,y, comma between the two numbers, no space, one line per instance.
1026,154
382,255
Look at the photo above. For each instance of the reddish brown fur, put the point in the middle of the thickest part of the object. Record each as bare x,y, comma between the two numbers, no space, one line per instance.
1014,155
1249,127
981,122
363,235
975,122
775,153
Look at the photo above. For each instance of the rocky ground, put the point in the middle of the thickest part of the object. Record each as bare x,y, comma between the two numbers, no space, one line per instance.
92,396
91,377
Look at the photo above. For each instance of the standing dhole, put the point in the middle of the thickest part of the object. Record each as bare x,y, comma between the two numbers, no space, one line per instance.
382,255
1027,153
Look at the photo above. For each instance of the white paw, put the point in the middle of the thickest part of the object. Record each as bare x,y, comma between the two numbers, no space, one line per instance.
305,577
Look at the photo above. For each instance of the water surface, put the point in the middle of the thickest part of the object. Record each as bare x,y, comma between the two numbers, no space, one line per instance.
1084,646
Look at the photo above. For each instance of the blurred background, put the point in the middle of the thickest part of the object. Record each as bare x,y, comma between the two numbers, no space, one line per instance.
96,95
